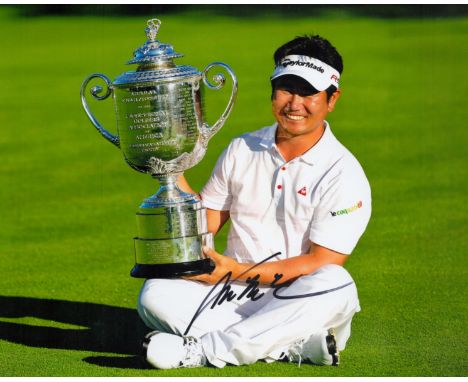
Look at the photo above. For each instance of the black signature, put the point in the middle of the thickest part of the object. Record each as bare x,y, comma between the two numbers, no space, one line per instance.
250,291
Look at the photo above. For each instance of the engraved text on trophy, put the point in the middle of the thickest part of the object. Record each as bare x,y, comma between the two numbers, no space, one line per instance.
159,121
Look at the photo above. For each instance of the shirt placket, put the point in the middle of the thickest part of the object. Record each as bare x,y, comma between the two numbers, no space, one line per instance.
283,186
278,181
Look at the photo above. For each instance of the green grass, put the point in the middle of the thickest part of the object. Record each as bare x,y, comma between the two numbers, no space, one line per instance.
67,199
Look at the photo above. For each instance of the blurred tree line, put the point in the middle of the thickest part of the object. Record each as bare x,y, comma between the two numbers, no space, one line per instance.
243,10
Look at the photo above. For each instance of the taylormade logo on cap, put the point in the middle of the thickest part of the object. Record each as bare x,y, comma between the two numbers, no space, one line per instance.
316,72
288,62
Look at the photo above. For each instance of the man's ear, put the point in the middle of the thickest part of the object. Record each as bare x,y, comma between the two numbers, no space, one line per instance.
333,99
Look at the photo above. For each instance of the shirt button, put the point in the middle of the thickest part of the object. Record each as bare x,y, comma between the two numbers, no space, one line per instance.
283,168
279,186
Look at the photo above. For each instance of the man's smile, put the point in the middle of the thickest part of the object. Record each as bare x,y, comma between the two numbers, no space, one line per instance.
294,117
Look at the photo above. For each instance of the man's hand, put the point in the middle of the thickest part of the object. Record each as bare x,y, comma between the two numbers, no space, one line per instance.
267,272
224,264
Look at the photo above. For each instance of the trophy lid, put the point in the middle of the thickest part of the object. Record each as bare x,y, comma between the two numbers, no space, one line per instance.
154,61
153,51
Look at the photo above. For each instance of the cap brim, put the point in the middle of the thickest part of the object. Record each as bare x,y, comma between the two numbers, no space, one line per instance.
317,82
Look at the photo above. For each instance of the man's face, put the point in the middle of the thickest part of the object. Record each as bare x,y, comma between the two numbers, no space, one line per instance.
301,114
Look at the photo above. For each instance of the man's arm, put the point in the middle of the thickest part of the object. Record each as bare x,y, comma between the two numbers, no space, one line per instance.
290,269
184,186
215,219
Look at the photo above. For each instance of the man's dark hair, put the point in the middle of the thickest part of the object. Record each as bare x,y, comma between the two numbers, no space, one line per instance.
312,46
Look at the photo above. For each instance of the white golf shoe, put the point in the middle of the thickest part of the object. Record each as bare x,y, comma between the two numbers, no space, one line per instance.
169,351
319,349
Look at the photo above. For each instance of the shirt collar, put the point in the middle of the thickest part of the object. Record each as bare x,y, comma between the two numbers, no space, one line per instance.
323,147
268,139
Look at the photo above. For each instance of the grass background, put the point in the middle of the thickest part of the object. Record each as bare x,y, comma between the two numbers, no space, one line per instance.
67,199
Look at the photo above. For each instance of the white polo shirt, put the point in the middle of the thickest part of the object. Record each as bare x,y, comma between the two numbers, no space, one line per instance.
322,196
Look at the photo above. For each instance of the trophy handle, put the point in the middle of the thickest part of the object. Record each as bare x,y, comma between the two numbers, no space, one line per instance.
95,92
219,80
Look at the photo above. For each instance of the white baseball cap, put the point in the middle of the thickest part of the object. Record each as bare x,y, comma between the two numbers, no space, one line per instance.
317,73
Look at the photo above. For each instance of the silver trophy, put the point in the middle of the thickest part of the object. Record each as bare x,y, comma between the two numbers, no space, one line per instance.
161,132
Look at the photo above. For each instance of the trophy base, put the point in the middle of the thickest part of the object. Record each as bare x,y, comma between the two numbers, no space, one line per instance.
174,270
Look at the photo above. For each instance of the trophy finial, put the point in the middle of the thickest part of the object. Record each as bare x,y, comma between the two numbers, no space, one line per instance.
153,53
152,30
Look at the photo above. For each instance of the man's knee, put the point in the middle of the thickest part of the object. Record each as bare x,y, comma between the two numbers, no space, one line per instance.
333,273
154,306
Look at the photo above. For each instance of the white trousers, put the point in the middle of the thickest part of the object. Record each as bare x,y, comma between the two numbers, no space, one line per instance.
242,331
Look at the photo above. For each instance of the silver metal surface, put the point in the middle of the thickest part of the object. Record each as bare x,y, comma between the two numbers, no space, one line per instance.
176,221
153,51
219,83
95,92
162,75
169,251
161,131
159,113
